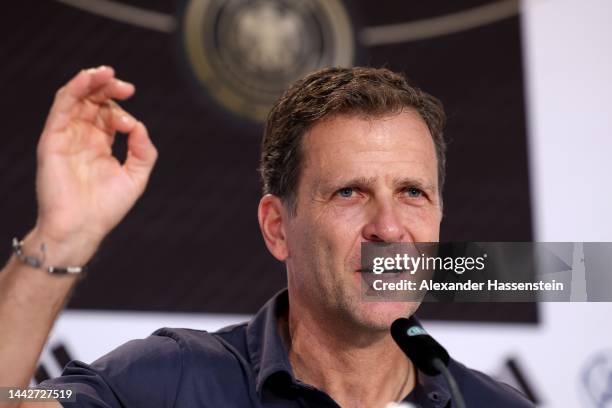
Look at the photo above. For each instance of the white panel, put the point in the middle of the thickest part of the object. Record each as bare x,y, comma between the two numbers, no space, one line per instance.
555,355
568,50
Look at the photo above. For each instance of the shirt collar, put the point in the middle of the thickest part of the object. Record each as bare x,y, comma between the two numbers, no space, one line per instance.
269,355
265,345
431,391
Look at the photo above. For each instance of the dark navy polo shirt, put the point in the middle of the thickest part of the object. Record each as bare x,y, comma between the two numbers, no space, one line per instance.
245,365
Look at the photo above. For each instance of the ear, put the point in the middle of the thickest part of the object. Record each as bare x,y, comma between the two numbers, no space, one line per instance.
272,222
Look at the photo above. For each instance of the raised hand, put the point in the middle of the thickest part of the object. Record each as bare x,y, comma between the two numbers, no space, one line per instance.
83,191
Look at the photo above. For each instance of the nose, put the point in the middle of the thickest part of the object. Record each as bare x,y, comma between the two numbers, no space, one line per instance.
384,225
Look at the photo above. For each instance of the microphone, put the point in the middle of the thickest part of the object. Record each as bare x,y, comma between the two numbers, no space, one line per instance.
425,353
419,346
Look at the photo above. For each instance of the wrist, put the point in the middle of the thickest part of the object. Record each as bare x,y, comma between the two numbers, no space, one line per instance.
59,249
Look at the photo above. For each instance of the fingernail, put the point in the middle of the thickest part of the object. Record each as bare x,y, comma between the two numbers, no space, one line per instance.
96,69
123,83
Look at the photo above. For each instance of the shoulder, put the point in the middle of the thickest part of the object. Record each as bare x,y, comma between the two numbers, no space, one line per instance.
231,339
157,368
136,372
214,358
478,389
170,349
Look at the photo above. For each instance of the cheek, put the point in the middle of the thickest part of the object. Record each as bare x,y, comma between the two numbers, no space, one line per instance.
423,223
305,241
342,225
322,237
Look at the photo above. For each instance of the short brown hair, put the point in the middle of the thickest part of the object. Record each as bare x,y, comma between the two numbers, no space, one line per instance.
334,91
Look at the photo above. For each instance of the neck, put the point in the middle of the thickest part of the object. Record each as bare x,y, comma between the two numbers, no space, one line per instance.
357,368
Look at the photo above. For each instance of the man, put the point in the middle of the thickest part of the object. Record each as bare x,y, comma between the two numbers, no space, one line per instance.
348,156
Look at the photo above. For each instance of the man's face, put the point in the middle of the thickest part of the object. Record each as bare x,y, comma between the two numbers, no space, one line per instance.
362,180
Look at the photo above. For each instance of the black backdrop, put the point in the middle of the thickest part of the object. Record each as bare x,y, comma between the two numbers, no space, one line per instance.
177,248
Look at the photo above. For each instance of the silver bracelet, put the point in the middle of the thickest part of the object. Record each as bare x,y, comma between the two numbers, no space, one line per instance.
38,263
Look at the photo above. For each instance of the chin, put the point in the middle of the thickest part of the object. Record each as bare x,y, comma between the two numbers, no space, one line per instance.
380,315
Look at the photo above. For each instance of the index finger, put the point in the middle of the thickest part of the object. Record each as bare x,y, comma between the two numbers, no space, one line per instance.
82,85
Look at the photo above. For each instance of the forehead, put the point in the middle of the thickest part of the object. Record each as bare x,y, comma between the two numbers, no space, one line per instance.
358,146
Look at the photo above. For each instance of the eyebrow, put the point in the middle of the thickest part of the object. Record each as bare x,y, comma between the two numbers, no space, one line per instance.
368,183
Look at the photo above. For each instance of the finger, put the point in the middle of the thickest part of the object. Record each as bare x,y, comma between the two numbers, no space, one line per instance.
83,84
141,155
67,97
113,118
115,89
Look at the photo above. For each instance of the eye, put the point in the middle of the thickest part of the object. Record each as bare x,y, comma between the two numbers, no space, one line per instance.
414,192
346,192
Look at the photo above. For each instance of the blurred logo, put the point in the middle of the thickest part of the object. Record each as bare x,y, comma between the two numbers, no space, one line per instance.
416,331
245,53
597,380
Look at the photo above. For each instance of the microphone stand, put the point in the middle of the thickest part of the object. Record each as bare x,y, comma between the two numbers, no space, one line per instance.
452,384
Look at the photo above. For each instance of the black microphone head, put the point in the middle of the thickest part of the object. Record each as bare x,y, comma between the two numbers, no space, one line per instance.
419,346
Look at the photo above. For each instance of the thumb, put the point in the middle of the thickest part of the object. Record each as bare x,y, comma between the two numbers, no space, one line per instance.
141,155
